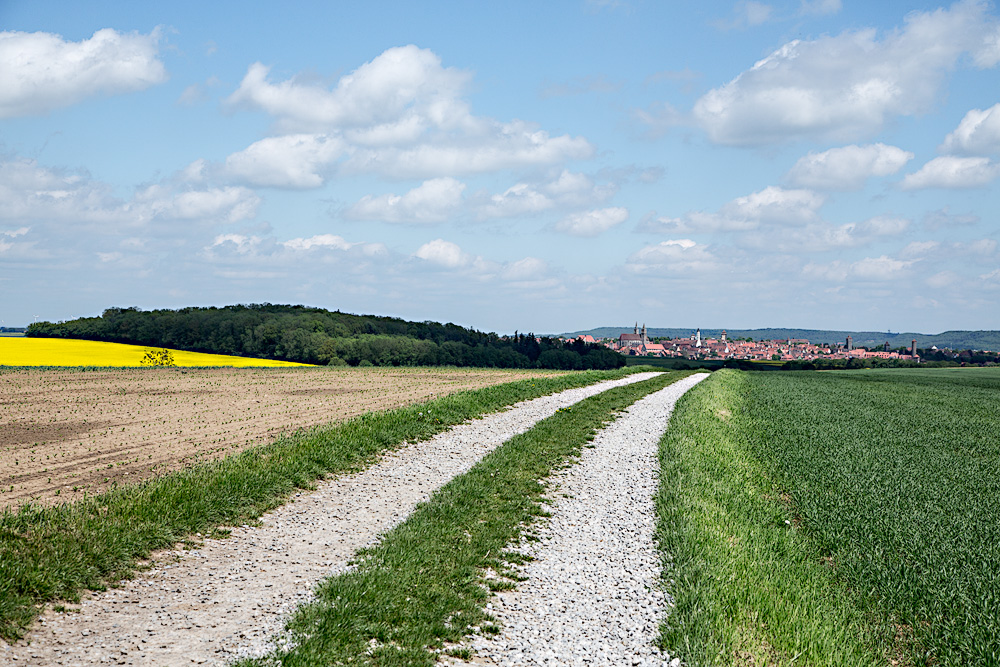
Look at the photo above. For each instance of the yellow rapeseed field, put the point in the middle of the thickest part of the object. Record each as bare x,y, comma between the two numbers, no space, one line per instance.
19,351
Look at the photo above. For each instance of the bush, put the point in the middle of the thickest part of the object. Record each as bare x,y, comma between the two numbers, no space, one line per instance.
162,357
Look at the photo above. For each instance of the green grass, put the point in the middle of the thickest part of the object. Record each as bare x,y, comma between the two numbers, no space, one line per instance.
422,587
889,482
51,554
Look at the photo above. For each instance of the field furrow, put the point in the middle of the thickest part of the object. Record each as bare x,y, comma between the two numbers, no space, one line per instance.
67,432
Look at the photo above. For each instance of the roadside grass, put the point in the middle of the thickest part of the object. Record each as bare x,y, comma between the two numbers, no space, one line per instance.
423,588
51,554
889,481
749,587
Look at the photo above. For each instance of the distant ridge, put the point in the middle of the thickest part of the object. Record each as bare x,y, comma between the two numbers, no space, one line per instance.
956,340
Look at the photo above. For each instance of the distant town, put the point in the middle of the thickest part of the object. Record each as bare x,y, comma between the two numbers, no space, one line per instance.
695,346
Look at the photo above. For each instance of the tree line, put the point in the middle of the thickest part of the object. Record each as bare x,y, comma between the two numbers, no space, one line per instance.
318,336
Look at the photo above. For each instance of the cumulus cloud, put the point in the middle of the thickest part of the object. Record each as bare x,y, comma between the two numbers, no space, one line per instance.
568,190
29,191
675,256
403,115
952,172
770,206
846,86
41,71
401,81
592,223
977,134
443,253
848,167
434,200
228,204
291,161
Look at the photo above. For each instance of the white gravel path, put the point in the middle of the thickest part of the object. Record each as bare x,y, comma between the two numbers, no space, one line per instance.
592,594
229,597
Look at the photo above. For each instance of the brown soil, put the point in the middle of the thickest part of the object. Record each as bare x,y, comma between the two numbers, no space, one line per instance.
67,432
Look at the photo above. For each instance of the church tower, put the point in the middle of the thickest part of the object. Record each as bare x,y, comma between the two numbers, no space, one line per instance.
697,342
645,340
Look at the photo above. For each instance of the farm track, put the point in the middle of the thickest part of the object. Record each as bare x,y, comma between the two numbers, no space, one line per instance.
228,598
592,591
64,433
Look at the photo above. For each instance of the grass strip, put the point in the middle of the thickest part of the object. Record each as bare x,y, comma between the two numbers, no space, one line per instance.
52,553
423,587
749,585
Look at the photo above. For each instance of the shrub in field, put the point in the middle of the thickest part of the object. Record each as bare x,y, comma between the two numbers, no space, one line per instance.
161,357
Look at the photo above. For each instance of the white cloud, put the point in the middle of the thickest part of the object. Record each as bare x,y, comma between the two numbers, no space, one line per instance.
568,190
229,204
529,268
241,244
821,236
676,256
401,115
56,197
977,134
443,253
770,206
401,81
952,172
846,86
41,71
848,167
434,200
290,161
868,269
329,241
592,223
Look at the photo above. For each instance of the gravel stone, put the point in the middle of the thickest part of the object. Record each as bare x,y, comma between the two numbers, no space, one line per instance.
229,598
592,594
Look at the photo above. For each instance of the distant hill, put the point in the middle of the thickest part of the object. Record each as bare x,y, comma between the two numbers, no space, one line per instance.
956,340
318,336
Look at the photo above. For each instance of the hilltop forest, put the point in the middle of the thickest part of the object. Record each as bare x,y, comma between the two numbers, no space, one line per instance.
318,336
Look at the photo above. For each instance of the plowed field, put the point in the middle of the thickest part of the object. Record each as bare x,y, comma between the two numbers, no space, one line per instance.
66,432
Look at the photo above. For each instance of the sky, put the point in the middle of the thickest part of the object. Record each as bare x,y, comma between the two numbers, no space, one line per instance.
543,167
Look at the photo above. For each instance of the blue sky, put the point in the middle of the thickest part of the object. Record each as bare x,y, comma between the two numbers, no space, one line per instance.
535,166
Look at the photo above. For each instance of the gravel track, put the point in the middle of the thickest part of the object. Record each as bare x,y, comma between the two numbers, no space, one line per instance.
230,597
592,594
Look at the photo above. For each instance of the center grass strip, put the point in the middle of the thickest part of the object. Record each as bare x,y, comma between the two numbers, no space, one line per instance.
749,587
52,553
423,587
